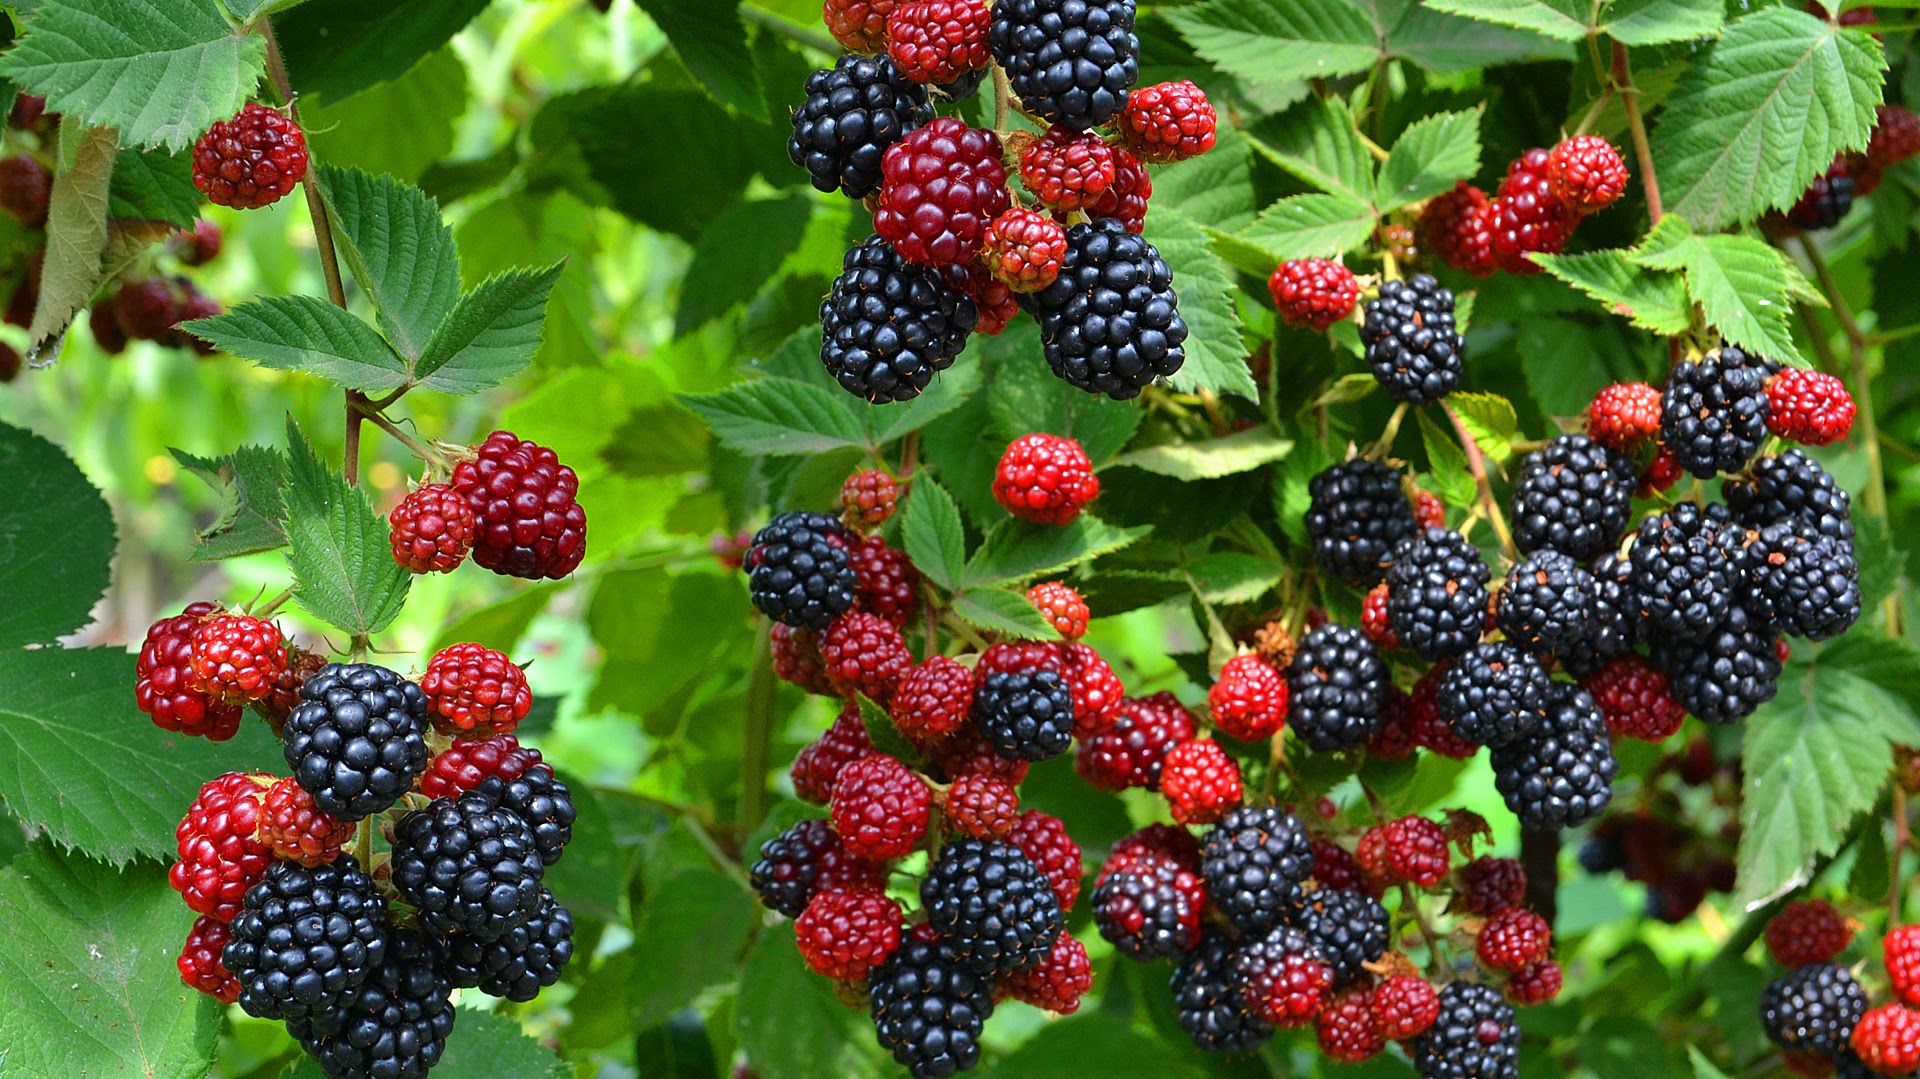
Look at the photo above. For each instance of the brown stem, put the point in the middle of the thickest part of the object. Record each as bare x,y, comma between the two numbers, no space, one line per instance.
1637,127
1540,856
1002,102
1477,464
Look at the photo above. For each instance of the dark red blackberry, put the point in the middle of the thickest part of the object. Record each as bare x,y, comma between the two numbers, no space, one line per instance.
1528,216
928,1009
1807,931
1713,412
816,767
796,658
1562,775
1057,982
199,960
306,939
1546,604
1351,928
1150,909
1126,200
468,864
1826,200
1490,885
25,188
1514,939
1686,568
1130,751
798,570
1345,1028
1337,688
889,583
991,905
888,325
1411,341
544,802
1791,484
942,185
1071,62
1437,594
1044,840
1285,977
1027,715
1726,674
1812,1009
853,113
880,808
1573,496
1254,862
1211,1006
1800,582
1637,699
1110,322
939,41
164,687
1357,516
394,1026
250,159
1458,226
525,504
804,859
357,741
1474,1037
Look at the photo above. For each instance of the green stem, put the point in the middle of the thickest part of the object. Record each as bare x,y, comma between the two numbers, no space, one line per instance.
758,735
793,31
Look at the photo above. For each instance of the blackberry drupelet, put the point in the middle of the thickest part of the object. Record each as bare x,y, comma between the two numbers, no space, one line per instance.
1352,929
991,905
1071,62
928,1009
1150,909
520,963
1727,673
1206,993
1411,342
1686,567
887,325
394,1026
1337,688
468,864
357,740
1437,594
1254,862
306,939
1546,605
798,571
1562,775
545,803
1110,322
1474,1037
1357,516
1812,1009
1494,695
1801,582
1573,496
1027,715
1791,484
853,112
1713,412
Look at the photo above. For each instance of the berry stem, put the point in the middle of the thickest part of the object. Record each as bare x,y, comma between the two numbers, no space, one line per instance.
1896,870
431,456
1637,126
1411,902
1002,102
756,739
1384,443
1477,464
961,630
268,609
812,39
1593,112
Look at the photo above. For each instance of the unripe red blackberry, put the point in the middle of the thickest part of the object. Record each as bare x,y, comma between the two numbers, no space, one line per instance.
1024,248
1067,170
198,245
864,653
236,658
1168,121
1535,984
1249,702
1404,1006
880,808
221,855
1458,226
1636,698
1807,931
860,25
1900,950
1044,840
932,700
199,961
941,185
1491,885
1346,1031
938,41
1130,752
1315,293
431,530
868,498
1057,982
1062,607
796,658
1528,217
845,934
1200,781
1513,939
523,500
475,692
1126,200
1045,478
1624,416
25,188
816,767
464,765
982,806
1095,689
1586,173
1809,407
165,686
250,160
1887,1040
1410,850
298,830
888,583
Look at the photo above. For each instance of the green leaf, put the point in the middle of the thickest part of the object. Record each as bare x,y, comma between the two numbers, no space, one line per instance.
935,538
1016,550
1318,142
1490,419
790,1024
491,334
1652,300
1096,1044
1269,43
1658,22
1026,398
1743,285
688,935
149,185
161,71
501,624
485,1044
592,878
56,541
1428,157
1310,226
780,416
1000,610
337,548
1242,451
76,227
1442,42
89,987
305,333
399,250
949,390
882,733
398,128
1216,354
252,485
1235,576
737,255
1216,187
339,48
1562,20
1702,1067
1447,464
1762,113
712,42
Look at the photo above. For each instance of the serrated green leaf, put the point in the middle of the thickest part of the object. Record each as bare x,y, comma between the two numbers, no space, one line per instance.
397,128
1350,387
1025,398
1640,23
1762,113
337,548
305,333
488,1044
1310,226
1562,20
76,227
1881,560
737,254
1017,550
161,71
491,334
780,416
688,934
999,610
400,251
1215,187
1428,157
1317,141
252,485
337,49
1490,419
1235,576
1447,465
149,185
935,538
1216,353
1444,42
1098,1044
1650,299
712,42
1273,43
882,733
948,391
1743,285
1242,451
790,1024
56,541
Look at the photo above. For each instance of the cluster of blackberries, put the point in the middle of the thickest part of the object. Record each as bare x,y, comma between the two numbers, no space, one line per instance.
1820,1011
510,504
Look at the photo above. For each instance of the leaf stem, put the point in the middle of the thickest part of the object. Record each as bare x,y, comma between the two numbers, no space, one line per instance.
363,407
1384,443
1477,464
1637,127
1409,901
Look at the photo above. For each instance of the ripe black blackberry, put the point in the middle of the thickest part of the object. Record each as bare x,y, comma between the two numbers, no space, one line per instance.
1812,1009
1437,594
1357,515
1801,582
1474,1038
357,739
544,802
394,1026
306,939
1686,568
1546,605
1614,623
1352,929
1495,695
1727,673
798,571
1337,688
887,325
928,1009
991,905
789,866
1713,412
1573,496
517,965
1207,996
854,111
1110,322
1149,910
1561,775
1787,485
468,864
1254,862
1411,341
1071,62
1027,715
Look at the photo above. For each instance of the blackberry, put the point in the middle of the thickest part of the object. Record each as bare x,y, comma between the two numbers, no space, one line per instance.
1686,567
1284,976
1613,624
357,740
798,572
853,112
1546,604
468,864
1357,516
1495,695
1726,674
1411,342
805,858
1110,322
928,1009
1437,594
1337,688
1254,862
1826,200
1207,997
1351,928
887,325
306,939
1027,715
545,803
1801,582
1791,484
1474,1037
1562,775
991,905
1813,1009
395,1026
1150,909
1573,496
1071,62
1713,412
518,964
